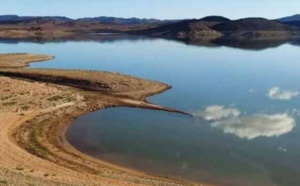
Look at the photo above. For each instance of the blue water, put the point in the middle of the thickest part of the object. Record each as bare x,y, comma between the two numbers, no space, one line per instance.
245,102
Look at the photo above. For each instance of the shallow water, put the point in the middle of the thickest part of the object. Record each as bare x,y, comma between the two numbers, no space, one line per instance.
245,102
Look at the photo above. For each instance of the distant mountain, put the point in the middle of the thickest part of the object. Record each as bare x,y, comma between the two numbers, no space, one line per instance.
215,19
289,18
293,23
215,26
193,28
14,19
7,17
11,19
252,24
116,20
55,18
204,28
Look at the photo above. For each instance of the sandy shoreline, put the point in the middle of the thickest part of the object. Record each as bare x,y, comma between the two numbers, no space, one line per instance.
36,112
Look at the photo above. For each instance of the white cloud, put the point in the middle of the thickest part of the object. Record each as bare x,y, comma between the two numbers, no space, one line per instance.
217,112
259,125
277,93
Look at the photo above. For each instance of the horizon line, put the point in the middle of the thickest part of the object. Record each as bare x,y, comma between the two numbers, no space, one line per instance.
161,19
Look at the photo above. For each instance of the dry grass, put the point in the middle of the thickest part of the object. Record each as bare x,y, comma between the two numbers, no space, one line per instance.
22,96
114,83
31,139
20,59
35,115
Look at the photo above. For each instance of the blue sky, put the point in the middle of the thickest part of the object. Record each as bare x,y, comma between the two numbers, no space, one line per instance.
163,9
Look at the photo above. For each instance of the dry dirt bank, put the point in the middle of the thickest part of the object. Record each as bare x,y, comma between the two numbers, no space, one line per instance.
35,113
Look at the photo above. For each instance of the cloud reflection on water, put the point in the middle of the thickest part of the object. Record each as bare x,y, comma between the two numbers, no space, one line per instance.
247,127
217,112
258,125
276,93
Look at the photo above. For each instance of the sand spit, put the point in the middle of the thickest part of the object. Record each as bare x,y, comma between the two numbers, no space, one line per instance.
17,60
119,86
36,108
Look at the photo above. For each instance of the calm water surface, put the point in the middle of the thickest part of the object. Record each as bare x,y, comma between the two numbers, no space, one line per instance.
246,106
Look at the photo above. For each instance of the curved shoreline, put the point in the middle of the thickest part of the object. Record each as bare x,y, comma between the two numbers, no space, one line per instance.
61,136
42,130
71,156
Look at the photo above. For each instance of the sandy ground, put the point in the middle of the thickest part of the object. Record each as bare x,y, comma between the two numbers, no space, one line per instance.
18,167
34,117
21,59
22,102
112,83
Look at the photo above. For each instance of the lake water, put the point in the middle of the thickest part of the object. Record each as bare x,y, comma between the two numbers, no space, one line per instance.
245,98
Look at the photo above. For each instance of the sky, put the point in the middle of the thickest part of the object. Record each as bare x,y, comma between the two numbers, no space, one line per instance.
162,9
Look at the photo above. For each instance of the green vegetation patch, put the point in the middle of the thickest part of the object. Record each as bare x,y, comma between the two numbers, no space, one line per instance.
55,98
25,107
5,98
35,146
19,168
9,103
3,182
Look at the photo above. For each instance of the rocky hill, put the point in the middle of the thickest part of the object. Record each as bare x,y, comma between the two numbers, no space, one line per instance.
14,19
117,20
289,18
194,28
293,23
222,27
252,24
13,26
